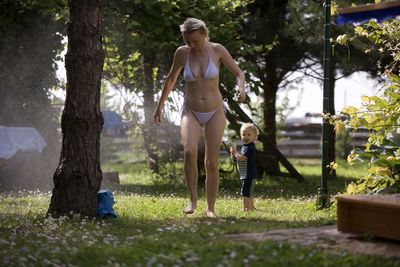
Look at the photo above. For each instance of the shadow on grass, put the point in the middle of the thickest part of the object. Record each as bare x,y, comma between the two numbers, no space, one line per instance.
158,189
267,187
224,224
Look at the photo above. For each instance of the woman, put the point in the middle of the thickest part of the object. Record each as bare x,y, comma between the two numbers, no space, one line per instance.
203,106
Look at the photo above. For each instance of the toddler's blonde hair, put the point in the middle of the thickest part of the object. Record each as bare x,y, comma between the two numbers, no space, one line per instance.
249,125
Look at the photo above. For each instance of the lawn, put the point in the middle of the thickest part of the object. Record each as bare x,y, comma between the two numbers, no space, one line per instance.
151,230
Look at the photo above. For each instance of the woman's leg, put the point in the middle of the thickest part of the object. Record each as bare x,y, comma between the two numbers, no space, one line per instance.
190,133
214,129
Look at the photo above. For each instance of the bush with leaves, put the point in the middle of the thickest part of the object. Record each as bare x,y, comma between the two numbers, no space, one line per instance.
379,114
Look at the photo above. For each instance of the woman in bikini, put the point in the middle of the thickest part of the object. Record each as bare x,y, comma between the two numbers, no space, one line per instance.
203,105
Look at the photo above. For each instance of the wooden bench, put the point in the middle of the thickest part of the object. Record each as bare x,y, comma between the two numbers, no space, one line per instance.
376,215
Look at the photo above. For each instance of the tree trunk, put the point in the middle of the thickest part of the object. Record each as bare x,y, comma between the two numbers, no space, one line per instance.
148,104
78,176
269,110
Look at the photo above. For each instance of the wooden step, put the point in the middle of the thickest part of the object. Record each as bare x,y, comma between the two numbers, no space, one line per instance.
375,215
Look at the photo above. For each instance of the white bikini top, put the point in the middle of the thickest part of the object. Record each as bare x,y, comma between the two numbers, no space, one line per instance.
211,72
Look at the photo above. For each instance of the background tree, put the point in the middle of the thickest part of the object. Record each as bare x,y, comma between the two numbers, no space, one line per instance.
30,39
78,176
138,37
270,54
307,28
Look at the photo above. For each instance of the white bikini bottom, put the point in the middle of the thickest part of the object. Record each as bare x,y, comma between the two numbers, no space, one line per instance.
202,117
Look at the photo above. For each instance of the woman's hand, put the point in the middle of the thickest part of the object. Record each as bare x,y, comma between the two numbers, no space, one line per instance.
157,116
241,96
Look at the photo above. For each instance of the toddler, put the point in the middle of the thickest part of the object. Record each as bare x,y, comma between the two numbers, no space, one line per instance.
246,159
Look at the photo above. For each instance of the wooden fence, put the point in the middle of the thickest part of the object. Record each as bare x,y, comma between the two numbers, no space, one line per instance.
304,141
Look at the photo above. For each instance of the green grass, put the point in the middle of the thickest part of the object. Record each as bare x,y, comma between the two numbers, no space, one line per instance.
152,231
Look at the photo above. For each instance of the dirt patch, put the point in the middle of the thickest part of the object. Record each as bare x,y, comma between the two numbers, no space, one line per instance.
329,238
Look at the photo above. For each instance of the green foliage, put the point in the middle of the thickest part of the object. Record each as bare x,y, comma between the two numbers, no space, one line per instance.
29,42
30,39
134,29
343,143
169,165
380,114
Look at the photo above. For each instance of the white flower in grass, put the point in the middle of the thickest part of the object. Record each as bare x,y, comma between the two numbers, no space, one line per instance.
24,249
192,258
90,242
31,257
46,262
55,249
252,257
74,250
151,261
233,254
22,260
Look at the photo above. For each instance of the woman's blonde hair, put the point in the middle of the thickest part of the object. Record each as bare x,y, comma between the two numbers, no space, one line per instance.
193,24
251,126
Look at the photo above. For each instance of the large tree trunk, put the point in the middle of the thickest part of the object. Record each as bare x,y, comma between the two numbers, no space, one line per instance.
271,84
78,176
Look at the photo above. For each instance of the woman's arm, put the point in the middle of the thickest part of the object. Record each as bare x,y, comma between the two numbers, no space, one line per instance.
230,63
169,83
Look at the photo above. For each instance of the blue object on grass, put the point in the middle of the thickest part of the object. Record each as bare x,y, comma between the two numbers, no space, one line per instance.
105,202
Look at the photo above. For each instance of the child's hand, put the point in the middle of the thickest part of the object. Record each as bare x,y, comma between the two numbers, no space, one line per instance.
233,151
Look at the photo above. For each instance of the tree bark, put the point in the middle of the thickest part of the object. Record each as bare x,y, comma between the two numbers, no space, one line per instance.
149,105
77,178
270,89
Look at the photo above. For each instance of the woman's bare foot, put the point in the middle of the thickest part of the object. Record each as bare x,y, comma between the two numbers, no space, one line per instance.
190,208
210,214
